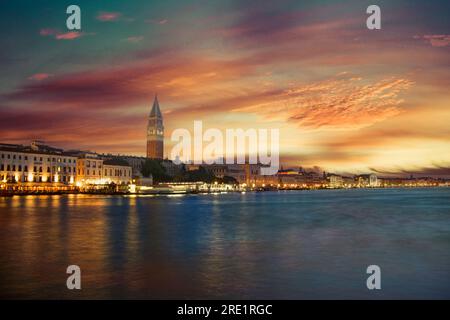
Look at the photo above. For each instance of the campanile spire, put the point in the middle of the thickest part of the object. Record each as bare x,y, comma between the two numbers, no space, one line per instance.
155,132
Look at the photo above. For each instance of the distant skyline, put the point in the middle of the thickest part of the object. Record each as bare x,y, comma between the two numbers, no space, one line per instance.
346,99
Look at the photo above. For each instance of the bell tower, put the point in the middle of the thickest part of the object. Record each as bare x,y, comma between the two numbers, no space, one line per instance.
155,132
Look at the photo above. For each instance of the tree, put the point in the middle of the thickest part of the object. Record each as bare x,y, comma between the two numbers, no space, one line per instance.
228,180
154,167
199,175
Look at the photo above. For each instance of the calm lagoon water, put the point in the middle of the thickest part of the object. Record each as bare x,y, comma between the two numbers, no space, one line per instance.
268,245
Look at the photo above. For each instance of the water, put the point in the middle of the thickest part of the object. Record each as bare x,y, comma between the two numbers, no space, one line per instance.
280,245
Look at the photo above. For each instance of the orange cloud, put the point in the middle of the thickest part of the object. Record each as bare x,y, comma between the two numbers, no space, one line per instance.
343,102
68,35
436,40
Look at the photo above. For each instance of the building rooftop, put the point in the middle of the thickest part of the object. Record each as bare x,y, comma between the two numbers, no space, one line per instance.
116,162
34,149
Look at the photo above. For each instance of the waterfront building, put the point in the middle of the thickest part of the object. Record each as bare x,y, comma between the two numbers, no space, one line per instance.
218,170
367,180
193,167
135,162
117,171
335,181
36,163
94,170
349,182
239,172
243,173
89,169
39,167
155,133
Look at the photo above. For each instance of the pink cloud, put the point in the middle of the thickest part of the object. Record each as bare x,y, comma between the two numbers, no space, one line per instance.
438,40
40,76
108,16
342,103
48,32
68,35
58,35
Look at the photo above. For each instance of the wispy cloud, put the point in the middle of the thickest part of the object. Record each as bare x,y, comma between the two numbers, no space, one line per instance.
157,21
69,35
342,102
39,76
437,40
48,32
135,39
108,16
58,35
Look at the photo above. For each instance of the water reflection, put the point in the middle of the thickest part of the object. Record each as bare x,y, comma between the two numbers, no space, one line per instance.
254,245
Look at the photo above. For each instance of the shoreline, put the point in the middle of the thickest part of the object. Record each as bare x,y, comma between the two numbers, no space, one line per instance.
7,194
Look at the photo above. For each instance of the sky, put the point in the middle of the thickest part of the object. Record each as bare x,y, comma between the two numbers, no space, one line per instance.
345,98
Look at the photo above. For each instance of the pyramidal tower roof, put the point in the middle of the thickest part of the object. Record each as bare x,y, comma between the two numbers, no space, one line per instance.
156,112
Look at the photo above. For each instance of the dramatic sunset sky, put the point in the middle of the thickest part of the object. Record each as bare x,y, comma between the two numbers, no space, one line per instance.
345,98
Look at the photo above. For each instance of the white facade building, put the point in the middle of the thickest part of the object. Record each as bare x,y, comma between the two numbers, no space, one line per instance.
36,164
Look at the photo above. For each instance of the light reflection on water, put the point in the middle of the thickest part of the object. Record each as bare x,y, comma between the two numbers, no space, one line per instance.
296,245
